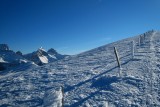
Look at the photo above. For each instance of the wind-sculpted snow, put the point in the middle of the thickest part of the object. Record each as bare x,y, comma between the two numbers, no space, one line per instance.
92,79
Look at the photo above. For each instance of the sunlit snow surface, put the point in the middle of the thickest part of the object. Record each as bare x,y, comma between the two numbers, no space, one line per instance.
43,59
91,79
1,60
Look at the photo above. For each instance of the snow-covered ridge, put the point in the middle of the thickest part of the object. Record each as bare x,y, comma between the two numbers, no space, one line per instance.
10,59
92,78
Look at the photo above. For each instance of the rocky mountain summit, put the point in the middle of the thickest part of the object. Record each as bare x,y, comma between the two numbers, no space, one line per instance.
41,57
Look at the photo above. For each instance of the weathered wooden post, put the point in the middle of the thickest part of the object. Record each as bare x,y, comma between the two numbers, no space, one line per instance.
62,89
133,47
118,61
140,39
117,57
144,37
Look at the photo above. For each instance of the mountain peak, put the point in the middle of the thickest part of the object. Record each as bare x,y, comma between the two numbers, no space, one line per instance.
4,47
41,49
41,52
19,53
52,51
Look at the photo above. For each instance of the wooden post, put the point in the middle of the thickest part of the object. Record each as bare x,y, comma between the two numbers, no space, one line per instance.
141,39
139,42
117,57
144,36
62,89
132,49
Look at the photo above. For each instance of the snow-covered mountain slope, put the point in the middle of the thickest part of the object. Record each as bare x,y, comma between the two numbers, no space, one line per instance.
92,78
9,60
41,57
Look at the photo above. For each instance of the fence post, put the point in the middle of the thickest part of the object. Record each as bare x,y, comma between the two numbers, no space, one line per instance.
117,57
62,89
133,47
118,61
139,41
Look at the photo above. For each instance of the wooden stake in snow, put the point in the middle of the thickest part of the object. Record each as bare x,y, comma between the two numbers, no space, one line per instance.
132,49
141,39
139,42
62,89
118,61
117,57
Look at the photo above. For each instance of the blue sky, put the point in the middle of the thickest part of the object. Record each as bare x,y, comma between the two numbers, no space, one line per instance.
73,26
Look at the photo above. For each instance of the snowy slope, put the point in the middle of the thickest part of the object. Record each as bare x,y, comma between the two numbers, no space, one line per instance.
91,79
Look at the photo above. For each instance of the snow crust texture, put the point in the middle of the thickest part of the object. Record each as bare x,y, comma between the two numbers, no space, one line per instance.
92,78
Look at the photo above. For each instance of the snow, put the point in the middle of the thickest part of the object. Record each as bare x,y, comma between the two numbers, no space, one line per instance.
1,60
43,59
53,98
11,61
42,49
91,79
52,56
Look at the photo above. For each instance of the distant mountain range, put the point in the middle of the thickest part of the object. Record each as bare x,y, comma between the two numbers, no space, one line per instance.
10,59
41,57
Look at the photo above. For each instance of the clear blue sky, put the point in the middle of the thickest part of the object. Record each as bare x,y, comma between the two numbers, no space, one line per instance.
73,26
